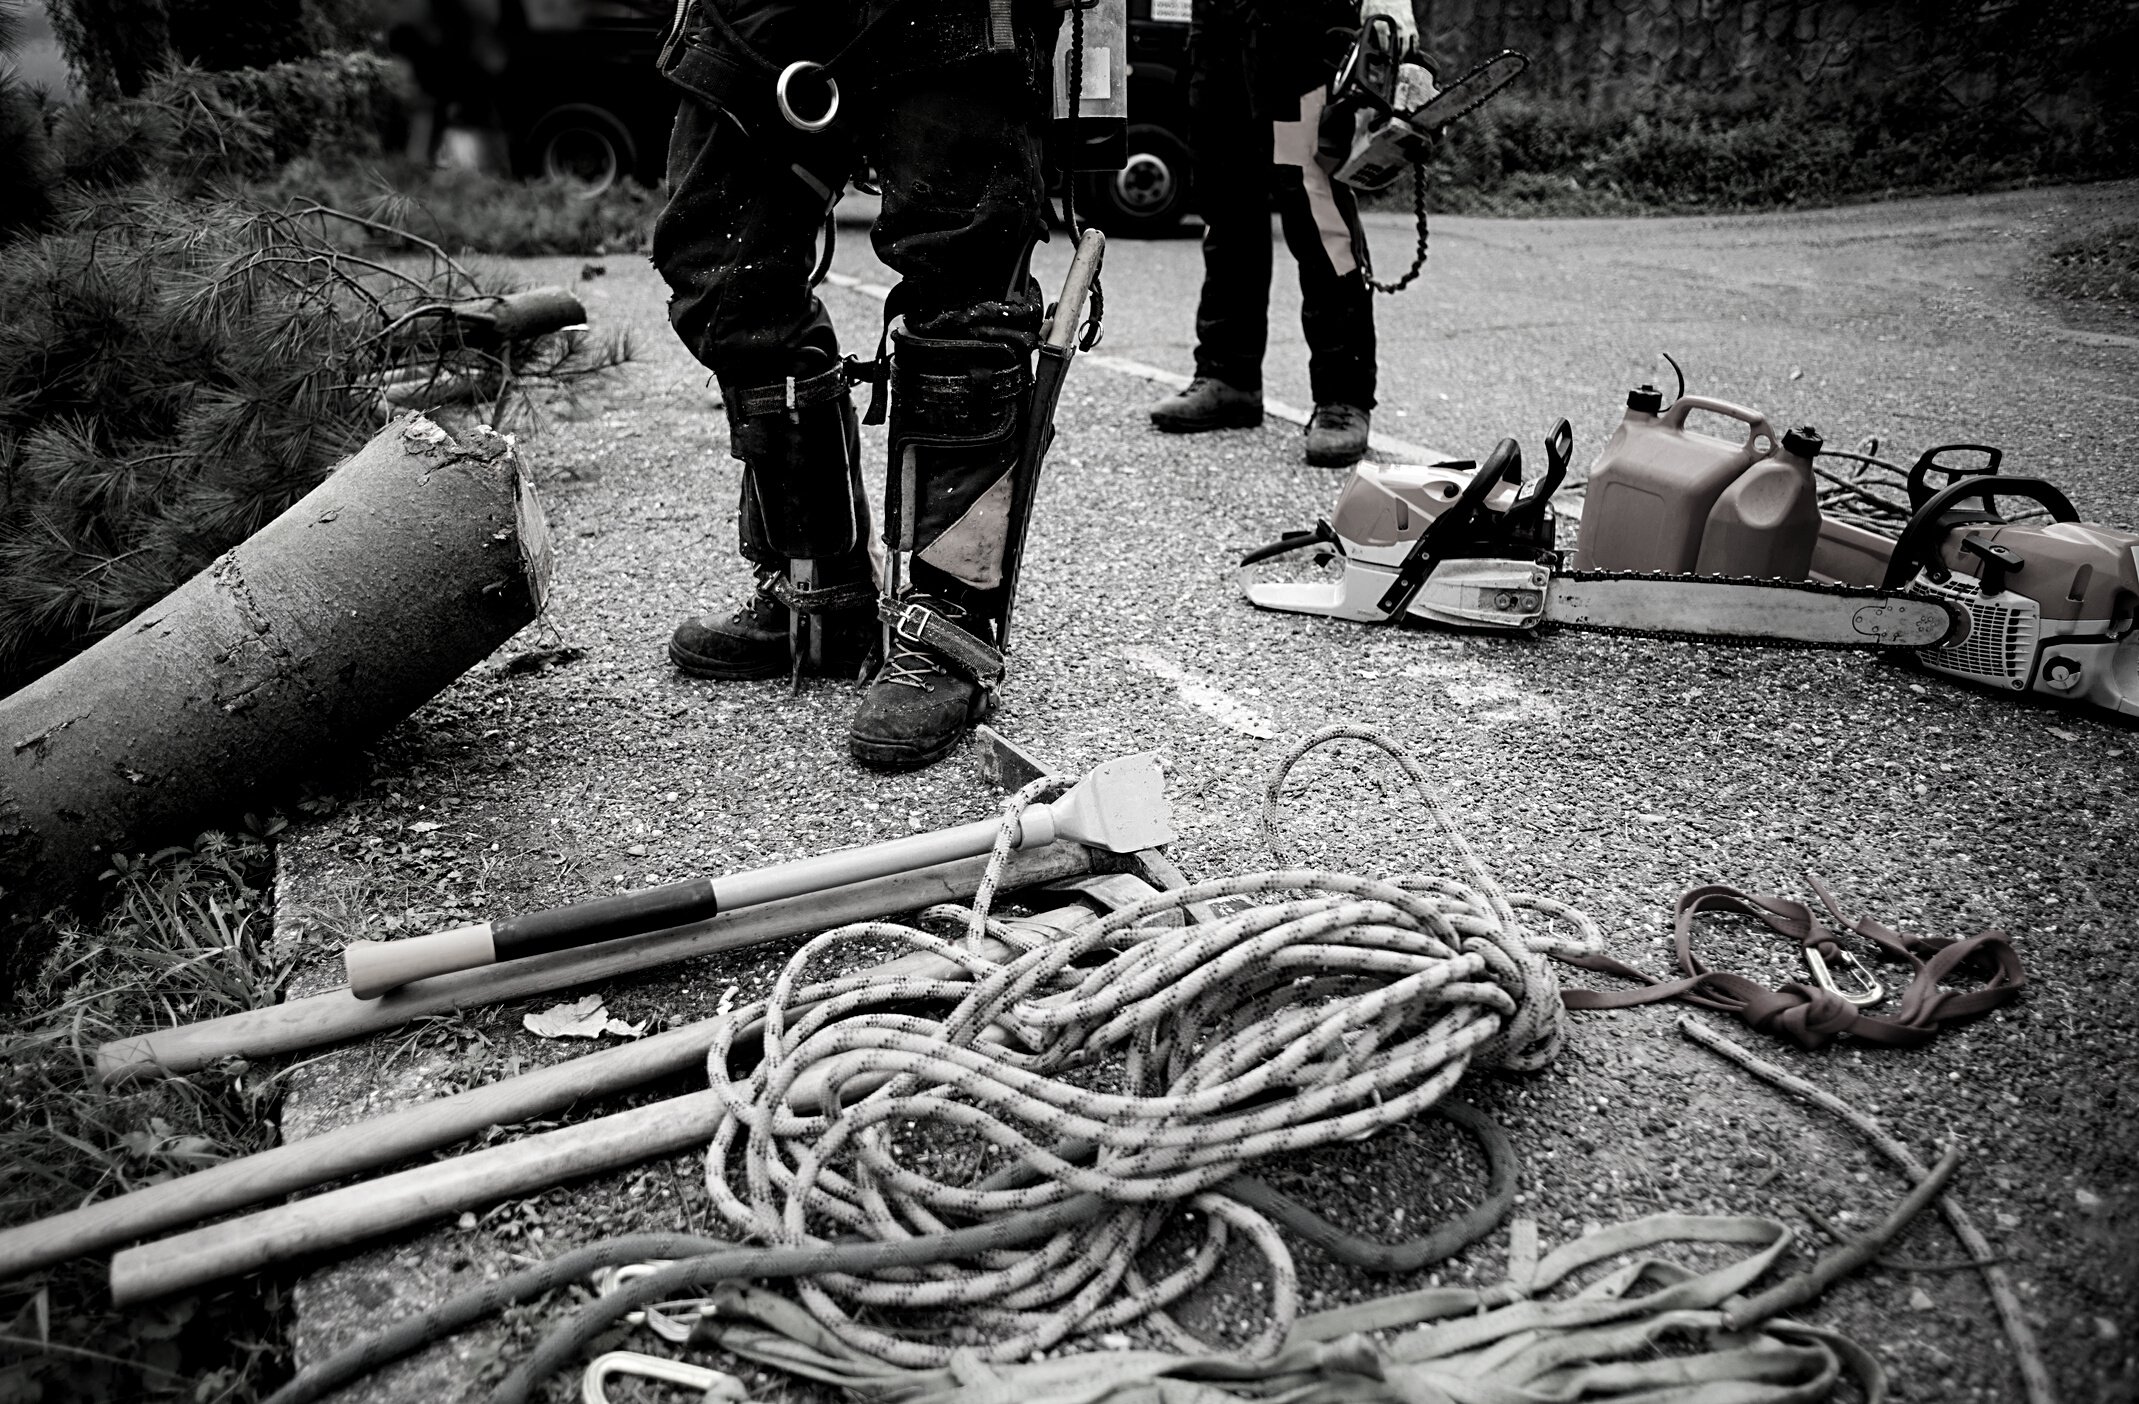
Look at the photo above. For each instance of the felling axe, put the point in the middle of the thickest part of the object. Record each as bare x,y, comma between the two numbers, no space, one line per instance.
1119,807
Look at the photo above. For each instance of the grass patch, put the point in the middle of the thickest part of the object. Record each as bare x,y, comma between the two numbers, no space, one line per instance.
2101,267
472,211
184,937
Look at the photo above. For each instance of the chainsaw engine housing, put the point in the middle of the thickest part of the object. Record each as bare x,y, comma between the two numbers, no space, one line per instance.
2060,623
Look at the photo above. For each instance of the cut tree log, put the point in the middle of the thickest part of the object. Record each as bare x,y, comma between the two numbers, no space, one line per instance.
411,563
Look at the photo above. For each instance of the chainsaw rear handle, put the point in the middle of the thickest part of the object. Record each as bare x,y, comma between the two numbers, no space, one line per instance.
1559,449
1928,528
1675,416
1920,491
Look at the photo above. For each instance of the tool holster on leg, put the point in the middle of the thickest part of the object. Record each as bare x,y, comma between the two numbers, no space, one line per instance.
958,412
803,519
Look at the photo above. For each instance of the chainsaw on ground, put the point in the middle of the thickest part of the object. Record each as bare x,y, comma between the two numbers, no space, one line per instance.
2021,607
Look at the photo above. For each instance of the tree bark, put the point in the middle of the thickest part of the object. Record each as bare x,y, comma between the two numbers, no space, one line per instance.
415,559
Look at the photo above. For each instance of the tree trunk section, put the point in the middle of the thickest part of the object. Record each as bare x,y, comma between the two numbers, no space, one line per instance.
411,563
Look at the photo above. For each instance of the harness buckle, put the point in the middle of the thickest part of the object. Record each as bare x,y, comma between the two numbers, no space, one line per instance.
1871,993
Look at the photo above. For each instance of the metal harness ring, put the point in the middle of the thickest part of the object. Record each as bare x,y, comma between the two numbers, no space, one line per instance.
787,111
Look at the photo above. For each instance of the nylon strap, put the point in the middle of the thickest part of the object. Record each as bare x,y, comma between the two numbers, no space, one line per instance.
1806,1013
1468,1345
783,396
911,618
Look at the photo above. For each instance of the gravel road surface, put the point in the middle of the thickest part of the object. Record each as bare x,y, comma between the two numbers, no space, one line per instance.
1612,773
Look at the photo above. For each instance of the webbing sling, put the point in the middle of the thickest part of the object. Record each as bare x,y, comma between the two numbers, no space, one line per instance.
1807,1013
1503,1344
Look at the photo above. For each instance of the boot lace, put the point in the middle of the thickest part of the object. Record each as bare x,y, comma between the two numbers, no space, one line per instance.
908,666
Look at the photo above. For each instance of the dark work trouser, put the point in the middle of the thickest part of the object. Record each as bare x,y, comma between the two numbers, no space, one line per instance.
1240,155
958,155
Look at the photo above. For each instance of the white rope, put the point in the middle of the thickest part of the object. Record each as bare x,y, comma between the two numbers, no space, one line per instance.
1145,1058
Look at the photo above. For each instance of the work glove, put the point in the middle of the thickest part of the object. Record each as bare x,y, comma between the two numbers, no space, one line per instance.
1399,12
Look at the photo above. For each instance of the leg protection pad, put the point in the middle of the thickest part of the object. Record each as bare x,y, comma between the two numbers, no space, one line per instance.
958,409
801,453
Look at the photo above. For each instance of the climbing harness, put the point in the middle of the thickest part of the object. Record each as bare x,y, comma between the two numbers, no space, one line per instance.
1814,1013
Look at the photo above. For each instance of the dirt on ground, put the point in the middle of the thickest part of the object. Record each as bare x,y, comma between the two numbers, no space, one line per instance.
1610,772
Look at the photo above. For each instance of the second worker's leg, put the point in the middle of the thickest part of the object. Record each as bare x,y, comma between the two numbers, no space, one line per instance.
1321,223
1232,152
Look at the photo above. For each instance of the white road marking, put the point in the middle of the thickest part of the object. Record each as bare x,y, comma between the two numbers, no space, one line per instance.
1204,695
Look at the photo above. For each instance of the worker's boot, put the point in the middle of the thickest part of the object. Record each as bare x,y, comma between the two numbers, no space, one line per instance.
802,524
958,411
1208,403
1337,435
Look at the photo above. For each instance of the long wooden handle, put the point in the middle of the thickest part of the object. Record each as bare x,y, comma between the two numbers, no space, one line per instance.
361,1211
1077,288
411,1197
411,1131
337,1015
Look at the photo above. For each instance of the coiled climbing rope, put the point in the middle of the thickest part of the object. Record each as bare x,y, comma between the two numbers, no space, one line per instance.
1146,1059
1110,1079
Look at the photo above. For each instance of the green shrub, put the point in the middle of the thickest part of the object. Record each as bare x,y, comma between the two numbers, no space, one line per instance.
335,105
475,212
1691,153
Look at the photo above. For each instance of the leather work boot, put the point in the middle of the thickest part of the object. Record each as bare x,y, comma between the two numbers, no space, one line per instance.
916,710
1337,435
753,642
1208,403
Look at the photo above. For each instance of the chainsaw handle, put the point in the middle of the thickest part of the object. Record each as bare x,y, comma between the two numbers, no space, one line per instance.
1559,449
1929,527
1920,492
1675,416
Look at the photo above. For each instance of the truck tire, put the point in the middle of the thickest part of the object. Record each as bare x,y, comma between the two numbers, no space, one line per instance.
1148,196
581,146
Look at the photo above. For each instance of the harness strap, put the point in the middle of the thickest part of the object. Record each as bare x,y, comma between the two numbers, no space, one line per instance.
912,619
1809,1014
820,599
782,397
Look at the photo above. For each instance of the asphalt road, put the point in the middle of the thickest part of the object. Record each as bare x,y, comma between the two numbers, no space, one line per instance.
1613,773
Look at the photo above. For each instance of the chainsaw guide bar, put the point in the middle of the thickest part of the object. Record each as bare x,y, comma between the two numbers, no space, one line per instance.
1746,610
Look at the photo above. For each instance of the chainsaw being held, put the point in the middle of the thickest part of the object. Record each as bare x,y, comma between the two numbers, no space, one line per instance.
2020,607
1386,107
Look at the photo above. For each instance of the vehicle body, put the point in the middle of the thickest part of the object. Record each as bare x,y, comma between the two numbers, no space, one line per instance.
580,104
579,98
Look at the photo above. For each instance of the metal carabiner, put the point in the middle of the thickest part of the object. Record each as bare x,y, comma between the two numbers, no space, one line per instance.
714,1383
672,1321
787,111
1871,994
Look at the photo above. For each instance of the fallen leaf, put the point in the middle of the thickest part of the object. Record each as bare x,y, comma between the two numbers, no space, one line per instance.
2060,734
584,1018
1920,1300
424,826
2088,1200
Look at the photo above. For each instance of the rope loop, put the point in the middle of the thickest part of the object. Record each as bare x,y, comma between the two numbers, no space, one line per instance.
1145,1058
